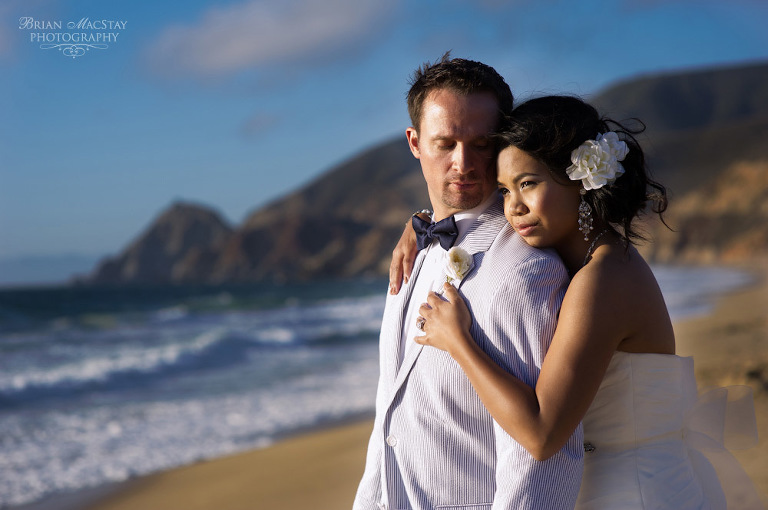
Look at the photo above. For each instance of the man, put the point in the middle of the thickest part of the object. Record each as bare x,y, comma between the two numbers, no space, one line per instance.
434,445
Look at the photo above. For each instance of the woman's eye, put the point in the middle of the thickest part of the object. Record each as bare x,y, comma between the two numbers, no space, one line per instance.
504,191
525,184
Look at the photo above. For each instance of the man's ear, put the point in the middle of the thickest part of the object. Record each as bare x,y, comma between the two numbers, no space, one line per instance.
413,141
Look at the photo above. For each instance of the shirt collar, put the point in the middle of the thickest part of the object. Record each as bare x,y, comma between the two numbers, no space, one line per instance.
464,219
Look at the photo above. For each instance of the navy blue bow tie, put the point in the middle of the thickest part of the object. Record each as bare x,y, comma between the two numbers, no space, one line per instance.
444,230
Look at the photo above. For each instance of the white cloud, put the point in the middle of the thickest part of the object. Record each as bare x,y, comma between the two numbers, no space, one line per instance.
5,38
256,33
8,29
259,123
11,11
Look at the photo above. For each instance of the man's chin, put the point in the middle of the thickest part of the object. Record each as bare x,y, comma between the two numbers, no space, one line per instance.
463,201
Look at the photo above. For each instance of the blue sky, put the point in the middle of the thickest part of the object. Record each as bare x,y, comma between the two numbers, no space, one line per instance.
234,103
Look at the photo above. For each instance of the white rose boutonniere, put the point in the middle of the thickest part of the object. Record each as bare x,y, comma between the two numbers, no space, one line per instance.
596,162
458,262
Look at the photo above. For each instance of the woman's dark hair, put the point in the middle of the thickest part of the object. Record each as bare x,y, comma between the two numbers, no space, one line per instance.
549,128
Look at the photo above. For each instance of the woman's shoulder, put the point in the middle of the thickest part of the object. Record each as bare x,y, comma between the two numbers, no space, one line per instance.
509,253
617,291
613,272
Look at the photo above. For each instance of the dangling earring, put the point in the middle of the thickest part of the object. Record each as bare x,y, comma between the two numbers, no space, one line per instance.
585,215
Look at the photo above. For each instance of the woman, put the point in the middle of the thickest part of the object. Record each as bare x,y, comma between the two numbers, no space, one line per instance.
574,182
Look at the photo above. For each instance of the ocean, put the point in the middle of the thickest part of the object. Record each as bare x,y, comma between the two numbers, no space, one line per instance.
101,385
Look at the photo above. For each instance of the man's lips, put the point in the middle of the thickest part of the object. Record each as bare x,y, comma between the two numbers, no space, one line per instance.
464,185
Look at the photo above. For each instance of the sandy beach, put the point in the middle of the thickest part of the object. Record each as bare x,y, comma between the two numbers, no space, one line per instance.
729,346
320,470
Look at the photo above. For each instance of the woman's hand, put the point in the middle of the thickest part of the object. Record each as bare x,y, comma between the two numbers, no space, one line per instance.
447,321
403,257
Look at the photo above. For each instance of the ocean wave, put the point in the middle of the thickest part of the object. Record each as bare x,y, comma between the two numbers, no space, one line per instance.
101,367
320,323
80,359
171,313
692,291
61,450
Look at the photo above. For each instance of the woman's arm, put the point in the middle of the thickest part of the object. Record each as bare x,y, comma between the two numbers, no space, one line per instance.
541,419
403,256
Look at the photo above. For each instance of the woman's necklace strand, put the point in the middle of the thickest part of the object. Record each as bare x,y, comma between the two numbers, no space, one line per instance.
591,246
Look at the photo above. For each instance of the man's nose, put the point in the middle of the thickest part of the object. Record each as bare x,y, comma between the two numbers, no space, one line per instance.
463,161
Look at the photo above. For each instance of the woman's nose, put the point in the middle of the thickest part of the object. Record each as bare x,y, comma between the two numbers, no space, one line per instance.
513,205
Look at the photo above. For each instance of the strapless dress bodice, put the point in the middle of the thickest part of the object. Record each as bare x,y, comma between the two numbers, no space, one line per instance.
642,397
651,441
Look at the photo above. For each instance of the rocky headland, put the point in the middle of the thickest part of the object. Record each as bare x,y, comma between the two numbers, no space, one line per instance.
706,140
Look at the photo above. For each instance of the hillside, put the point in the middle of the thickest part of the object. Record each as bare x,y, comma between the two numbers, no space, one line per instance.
723,221
706,141
698,123
340,225
179,246
691,100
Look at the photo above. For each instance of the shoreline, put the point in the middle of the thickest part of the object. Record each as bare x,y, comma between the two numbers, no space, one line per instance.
321,468
312,469
729,348
294,454
318,469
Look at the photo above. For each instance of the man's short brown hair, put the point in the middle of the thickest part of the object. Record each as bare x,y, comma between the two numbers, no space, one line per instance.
459,75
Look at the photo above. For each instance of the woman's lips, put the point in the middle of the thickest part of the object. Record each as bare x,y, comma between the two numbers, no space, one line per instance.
524,230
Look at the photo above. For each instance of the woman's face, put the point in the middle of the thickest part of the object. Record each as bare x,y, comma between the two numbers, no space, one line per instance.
543,211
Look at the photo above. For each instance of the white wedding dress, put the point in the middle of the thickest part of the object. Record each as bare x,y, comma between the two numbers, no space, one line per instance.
652,442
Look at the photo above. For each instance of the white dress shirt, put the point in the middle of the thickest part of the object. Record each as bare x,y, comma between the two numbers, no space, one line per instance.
432,274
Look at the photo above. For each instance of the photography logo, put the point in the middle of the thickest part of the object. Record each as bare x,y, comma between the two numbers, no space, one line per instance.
74,38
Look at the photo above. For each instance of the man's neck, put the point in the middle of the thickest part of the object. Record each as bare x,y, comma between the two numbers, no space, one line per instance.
465,217
440,214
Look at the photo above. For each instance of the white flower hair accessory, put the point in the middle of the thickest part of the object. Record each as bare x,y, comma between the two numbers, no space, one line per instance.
596,162
458,263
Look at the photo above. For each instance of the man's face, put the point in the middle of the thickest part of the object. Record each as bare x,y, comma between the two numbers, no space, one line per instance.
457,157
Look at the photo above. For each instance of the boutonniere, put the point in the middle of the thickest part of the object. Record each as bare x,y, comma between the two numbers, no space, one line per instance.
458,263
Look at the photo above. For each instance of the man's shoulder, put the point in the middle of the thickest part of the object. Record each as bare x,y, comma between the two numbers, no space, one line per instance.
504,250
512,266
510,246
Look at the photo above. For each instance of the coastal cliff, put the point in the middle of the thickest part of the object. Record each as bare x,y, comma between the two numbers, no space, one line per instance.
706,140
180,245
